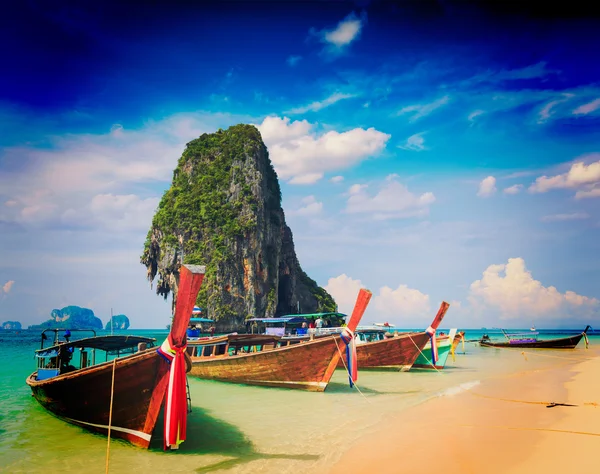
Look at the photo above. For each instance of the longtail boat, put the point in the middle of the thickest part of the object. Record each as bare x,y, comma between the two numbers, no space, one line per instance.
460,336
444,346
271,360
133,385
398,352
530,341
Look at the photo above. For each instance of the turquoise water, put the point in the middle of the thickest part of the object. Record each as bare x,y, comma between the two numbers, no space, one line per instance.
236,428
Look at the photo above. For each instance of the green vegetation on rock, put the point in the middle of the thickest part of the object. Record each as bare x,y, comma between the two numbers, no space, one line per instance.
223,210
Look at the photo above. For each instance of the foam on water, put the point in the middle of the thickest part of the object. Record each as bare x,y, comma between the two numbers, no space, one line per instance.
463,387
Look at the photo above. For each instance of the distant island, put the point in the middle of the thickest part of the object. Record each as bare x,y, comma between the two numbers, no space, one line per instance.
70,317
119,322
11,326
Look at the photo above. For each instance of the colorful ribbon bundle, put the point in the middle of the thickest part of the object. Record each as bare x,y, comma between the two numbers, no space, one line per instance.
434,352
176,401
348,338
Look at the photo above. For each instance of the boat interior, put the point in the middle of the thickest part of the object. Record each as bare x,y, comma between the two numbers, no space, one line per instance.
66,355
238,344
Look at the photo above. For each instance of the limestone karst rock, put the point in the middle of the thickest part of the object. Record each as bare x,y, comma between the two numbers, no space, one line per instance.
223,210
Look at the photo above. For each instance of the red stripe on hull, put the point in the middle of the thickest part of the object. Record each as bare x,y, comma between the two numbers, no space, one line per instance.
83,397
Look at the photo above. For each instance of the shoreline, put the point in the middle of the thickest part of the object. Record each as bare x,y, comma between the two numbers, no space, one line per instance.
501,424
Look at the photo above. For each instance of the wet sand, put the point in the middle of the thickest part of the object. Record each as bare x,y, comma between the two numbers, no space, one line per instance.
502,425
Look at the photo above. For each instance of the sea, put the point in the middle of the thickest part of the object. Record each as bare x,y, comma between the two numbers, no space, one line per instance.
244,429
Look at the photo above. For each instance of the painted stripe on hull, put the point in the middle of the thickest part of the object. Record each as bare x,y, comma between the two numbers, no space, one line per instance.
423,361
139,434
397,368
289,382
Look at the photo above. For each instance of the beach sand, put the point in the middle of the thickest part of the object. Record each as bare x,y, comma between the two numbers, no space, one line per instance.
501,425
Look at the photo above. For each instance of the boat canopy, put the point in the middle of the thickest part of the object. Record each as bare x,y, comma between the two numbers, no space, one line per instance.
283,319
317,315
103,343
201,320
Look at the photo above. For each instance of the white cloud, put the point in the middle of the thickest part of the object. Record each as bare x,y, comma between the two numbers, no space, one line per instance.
7,286
548,110
293,60
403,301
587,108
11,203
487,187
388,303
337,40
311,207
581,176
337,179
302,156
514,189
421,110
474,114
344,291
415,142
366,105
318,105
592,193
392,200
56,185
565,217
511,289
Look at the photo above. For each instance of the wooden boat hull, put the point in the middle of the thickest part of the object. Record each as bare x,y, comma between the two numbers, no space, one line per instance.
562,343
306,365
424,359
396,353
83,397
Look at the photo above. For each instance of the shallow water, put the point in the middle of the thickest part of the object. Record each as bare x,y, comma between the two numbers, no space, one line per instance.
239,429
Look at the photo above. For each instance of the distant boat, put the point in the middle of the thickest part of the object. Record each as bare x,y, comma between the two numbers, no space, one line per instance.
530,340
82,395
532,328
271,360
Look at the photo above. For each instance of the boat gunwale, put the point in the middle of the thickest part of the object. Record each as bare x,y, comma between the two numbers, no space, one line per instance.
320,340
124,360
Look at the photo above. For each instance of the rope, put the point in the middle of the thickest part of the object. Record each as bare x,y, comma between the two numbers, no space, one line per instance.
531,429
112,392
426,358
347,370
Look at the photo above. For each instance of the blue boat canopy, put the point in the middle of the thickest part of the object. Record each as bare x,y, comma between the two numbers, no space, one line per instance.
201,320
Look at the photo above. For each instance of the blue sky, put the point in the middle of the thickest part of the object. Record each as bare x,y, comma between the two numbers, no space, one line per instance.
439,152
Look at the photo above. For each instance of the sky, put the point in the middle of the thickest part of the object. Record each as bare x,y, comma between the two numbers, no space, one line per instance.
427,151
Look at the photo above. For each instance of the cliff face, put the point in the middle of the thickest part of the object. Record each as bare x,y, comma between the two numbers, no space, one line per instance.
223,210
119,322
71,317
